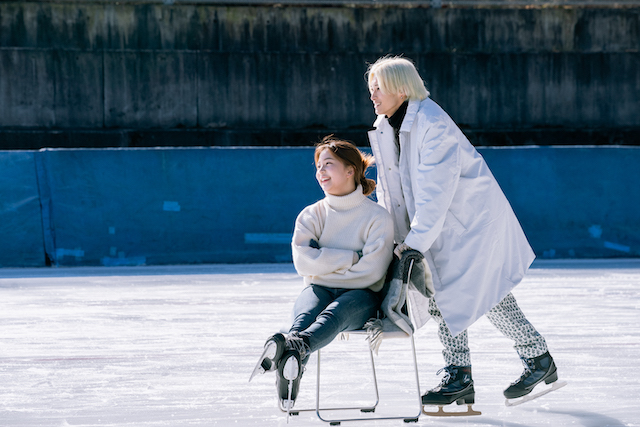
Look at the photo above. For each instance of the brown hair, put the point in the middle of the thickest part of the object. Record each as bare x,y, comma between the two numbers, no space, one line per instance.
350,156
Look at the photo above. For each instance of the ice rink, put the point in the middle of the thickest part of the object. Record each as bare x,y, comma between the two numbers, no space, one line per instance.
174,346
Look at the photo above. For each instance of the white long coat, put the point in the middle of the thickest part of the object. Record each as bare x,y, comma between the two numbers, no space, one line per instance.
446,203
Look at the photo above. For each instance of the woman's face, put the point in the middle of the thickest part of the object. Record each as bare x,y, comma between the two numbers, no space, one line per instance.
386,104
334,177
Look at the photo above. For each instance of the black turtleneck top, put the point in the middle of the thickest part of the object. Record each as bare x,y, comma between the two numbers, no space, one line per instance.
396,121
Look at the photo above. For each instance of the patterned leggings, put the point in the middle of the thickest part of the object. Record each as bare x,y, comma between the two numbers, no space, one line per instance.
506,317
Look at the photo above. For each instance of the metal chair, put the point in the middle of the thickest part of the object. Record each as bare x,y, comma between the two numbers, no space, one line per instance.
369,408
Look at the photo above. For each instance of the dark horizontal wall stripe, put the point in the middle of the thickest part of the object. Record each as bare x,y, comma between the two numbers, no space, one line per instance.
253,70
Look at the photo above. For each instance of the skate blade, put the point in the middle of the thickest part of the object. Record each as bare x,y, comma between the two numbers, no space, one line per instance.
282,406
549,388
269,352
290,370
442,413
287,404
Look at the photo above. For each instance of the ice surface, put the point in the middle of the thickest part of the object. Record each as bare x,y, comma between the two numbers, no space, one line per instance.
175,345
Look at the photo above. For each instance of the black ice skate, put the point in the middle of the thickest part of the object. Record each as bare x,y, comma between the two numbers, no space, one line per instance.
456,386
288,379
273,349
290,369
536,370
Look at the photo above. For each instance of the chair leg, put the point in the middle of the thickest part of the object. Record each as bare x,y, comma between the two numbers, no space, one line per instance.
371,408
375,383
407,419
415,369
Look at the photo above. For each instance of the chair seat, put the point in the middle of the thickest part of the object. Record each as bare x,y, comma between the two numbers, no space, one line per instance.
393,333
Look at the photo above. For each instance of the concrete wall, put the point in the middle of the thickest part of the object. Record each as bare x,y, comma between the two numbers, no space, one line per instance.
95,74
231,205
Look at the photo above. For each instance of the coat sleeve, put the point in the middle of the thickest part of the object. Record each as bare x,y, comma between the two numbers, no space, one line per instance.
436,181
310,261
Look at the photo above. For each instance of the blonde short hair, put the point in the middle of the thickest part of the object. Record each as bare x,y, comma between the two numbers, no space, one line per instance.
397,75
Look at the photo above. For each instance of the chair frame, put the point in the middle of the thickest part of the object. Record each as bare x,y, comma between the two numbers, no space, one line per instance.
406,418
366,408
337,421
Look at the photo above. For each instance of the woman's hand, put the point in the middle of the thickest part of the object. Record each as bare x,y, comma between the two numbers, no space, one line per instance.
356,256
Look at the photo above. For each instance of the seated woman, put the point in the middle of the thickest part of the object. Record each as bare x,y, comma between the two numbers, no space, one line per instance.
342,247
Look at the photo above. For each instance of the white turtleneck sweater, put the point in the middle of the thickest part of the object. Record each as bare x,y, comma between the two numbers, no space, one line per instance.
342,226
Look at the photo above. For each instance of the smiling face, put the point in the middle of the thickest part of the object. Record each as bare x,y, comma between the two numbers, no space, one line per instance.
333,175
386,104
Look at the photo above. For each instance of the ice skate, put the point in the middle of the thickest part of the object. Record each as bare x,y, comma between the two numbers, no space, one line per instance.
273,349
288,380
456,386
290,369
537,370
540,390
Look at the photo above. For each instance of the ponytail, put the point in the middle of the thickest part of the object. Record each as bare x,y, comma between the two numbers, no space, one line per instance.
368,185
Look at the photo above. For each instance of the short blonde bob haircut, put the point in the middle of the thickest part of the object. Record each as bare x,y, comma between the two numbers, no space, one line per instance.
397,75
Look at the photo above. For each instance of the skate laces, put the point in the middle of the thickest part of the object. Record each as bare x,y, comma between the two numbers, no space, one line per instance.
295,342
449,372
529,367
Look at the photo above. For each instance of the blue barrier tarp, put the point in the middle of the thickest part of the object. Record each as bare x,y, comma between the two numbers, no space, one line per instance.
20,220
173,206
573,202
238,205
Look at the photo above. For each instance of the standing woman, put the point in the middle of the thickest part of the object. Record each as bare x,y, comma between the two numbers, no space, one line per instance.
446,203
342,247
